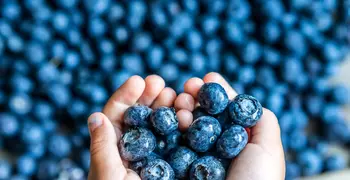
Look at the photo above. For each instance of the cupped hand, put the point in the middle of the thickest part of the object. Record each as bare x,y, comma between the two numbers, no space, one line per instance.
262,158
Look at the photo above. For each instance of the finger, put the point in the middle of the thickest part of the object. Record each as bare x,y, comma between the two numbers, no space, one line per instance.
216,77
192,86
103,149
165,98
185,118
124,97
154,85
184,101
266,132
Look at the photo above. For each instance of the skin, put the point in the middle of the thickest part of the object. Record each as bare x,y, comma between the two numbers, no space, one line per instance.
262,158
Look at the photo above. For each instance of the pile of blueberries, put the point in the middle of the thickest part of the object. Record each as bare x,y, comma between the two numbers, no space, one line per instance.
61,59
157,150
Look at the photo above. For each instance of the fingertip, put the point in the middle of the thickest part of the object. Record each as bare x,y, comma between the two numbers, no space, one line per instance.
166,98
192,86
154,85
185,118
184,101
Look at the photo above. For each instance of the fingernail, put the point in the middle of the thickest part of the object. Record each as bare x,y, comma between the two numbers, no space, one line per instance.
94,122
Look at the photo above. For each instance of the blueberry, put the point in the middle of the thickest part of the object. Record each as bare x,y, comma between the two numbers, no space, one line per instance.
59,95
340,94
59,146
234,33
213,98
275,102
47,169
310,162
203,133
141,41
32,133
271,31
245,110
167,143
97,7
246,74
170,72
154,57
97,27
208,168
293,170
266,77
232,141
9,125
299,140
194,40
197,64
157,169
26,165
295,42
116,12
20,103
121,34
137,116
71,60
180,160
273,9
60,21
136,144
164,120
335,162
198,112
210,24
286,121
251,52
5,169
259,93
138,165
133,63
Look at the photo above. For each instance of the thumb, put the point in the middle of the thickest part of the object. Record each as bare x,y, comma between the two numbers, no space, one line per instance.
105,160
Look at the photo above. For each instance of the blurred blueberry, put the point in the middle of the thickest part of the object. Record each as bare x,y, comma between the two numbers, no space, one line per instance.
74,37
238,87
32,133
258,92
26,165
136,13
42,110
19,177
20,103
94,93
141,41
133,63
58,49
15,43
11,10
96,7
71,60
5,28
314,105
118,78
5,169
335,162
194,40
293,170
154,57
170,72
181,25
158,17
197,64
331,113
338,131
97,27
49,125
87,53
324,21
275,102
36,150
310,162
191,6
9,125
251,52
290,67
66,77
234,33
299,140
47,169
295,42
59,95
108,63
301,120
340,94
286,122
299,4
331,52
20,83
60,21
238,10
35,53
213,46
231,64
116,12
42,12
266,77
320,85
106,47
67,4
210,24
41,33
47,73
246,74
273,9
121,34
178,56
271,32
59,146
271,56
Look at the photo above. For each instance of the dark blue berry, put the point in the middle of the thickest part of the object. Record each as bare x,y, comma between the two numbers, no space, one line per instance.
203,133
245,110
213,98
180,160
136,144
157,169
164,120
138,115
208,168
232,141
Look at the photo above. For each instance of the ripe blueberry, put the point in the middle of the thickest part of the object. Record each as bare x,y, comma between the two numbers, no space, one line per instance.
213,98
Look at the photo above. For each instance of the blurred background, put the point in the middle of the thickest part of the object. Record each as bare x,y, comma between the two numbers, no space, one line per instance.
61,59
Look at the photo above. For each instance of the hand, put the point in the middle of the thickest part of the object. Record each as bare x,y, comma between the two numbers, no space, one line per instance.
263,157
106,128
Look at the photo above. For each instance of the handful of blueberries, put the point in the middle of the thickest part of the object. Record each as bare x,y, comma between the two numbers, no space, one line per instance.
157,150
